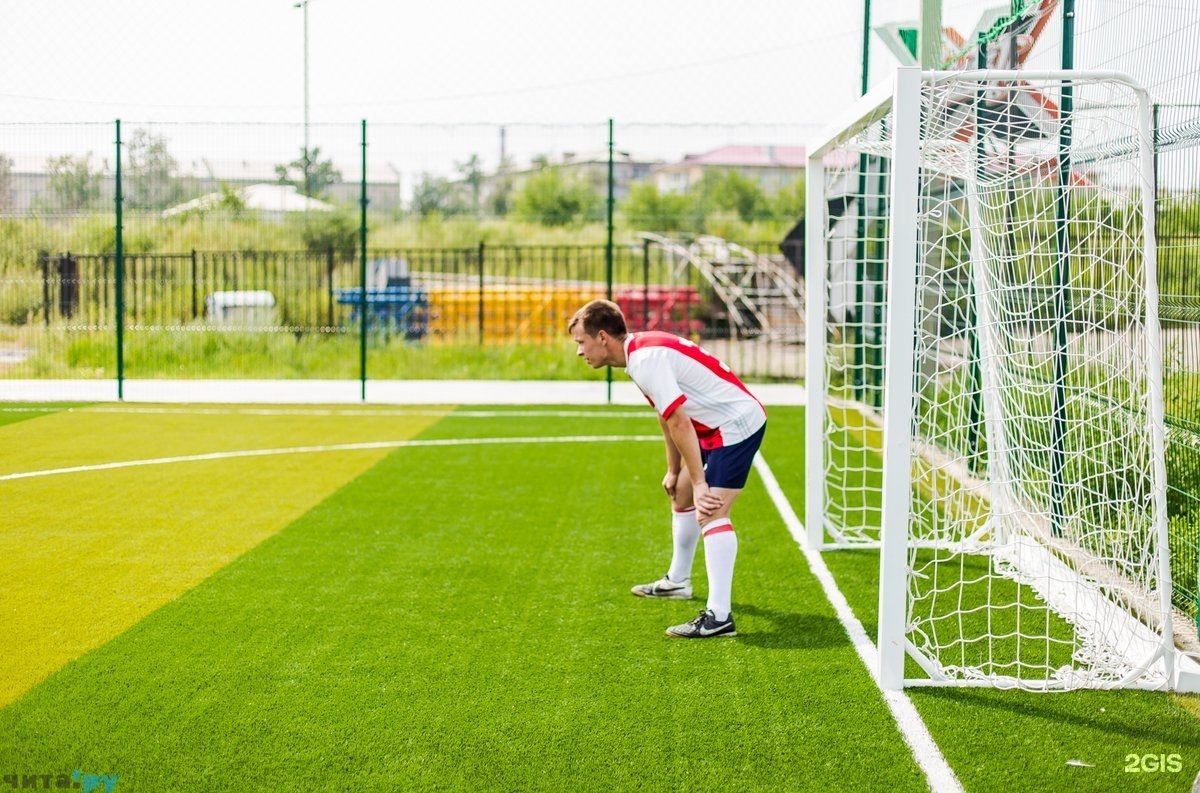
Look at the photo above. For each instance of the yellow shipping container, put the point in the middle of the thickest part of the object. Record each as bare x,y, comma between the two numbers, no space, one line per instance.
511,314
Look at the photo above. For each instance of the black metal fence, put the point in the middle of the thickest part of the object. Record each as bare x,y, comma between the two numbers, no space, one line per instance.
223,313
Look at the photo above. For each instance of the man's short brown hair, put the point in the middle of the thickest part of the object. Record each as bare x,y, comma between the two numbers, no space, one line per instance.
599,315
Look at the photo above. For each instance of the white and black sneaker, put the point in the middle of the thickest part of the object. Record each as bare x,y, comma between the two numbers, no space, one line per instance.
705,626
665,588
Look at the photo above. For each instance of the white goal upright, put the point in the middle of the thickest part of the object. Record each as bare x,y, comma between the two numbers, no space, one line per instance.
984,378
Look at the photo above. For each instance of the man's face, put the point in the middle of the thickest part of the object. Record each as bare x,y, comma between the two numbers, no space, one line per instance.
590,348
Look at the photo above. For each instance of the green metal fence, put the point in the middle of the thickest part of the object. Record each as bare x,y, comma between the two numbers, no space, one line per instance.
132,250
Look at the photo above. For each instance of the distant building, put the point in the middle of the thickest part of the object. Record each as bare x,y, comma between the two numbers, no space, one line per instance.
29,184
272,200
591,167
772,167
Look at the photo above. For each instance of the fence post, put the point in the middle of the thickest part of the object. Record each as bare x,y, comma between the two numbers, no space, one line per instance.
1062,276
195,289
974,375
329,285
608,247
119,275
68,285
645,283
481,252
362,269
44,259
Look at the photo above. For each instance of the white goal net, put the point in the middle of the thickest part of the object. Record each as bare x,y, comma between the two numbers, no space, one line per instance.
984,375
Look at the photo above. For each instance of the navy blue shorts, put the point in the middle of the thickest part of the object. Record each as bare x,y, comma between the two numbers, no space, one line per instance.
729,466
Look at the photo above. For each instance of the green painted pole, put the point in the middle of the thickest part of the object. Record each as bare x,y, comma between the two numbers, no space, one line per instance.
120,275
1068,35
875,271
859,380
974,375
362,271
865,81
877,276
646,282
1062,275
860,273
608,246
929,36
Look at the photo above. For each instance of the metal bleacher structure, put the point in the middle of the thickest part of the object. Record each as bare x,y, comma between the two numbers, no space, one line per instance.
763,296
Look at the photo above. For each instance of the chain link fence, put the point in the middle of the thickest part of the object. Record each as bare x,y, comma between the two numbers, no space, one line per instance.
329,251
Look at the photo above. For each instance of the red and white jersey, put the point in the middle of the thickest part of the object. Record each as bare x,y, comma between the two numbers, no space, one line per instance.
672,371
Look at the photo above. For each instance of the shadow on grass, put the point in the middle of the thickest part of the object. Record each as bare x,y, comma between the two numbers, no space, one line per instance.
1065,708
791,631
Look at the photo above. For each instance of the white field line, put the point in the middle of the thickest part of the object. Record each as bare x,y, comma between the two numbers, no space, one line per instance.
341,447
938,774
474,414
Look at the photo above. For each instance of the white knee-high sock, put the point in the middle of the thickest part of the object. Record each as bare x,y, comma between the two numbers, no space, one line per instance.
720,553
685,533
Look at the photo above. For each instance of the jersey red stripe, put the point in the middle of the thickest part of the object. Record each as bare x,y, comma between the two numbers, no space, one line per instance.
666,414
657,338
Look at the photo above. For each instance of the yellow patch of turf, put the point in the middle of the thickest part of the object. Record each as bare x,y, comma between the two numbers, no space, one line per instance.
1189,702
84,556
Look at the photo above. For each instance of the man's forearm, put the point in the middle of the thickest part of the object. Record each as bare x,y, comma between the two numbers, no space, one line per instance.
683,436
674,460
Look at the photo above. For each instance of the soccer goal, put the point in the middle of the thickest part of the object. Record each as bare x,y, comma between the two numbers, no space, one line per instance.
984,378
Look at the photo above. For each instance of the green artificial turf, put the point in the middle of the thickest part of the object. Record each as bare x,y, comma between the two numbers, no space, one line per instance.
85,555
459,618
1022,741
1015,740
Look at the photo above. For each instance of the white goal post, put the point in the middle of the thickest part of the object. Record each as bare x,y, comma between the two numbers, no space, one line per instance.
984,378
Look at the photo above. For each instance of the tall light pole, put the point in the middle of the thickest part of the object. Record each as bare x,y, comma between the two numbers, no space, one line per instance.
303,5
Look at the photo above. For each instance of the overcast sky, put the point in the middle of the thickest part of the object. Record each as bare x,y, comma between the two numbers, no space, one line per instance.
783,62
790,61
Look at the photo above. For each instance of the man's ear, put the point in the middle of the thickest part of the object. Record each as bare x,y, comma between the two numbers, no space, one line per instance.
600,336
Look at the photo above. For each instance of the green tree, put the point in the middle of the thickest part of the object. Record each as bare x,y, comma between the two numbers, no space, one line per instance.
435,195
553,198
648,209
150,176
6,165
472,177
787,205
731,191
232,201
309,173
73,185
322,231
500,189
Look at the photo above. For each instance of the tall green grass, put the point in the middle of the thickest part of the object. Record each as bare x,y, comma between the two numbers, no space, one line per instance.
203,353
